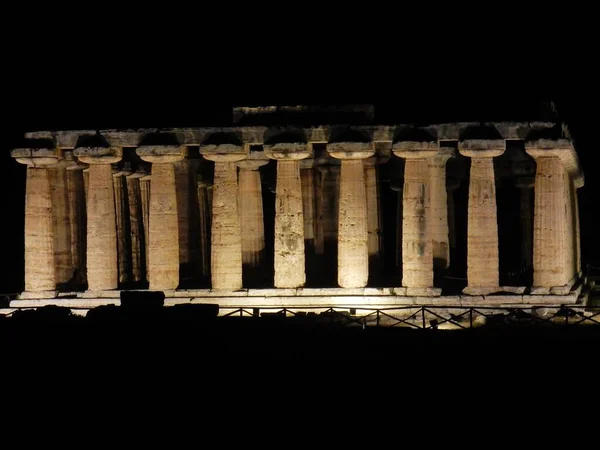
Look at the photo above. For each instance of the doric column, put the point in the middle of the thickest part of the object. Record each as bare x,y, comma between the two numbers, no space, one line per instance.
439,208
123,224
163,230
374,243
289,218
187,213
320,204
77,211
145,204
353,254
417,256
40,274
61,218
452,184
101,259
86,182
251,213
307,179
205,213
136,222
554,237
226,241
482,222
398,187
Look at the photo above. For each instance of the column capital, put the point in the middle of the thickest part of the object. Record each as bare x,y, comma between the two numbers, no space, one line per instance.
35,157
161,154
224,152
561,148
415,149
288,150
98,155
482,148
351,150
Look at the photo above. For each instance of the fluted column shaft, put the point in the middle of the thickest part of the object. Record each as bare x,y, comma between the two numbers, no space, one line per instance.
550,224
101,255
163,230
307,179
373,212
417,269
226,241
136,222
417,243
59,192
482,222
251,213
290,271
145,205
289,226
40,273
439,209
77,211
123,225
353,252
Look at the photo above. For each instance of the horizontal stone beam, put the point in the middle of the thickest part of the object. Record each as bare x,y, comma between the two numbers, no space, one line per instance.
255,135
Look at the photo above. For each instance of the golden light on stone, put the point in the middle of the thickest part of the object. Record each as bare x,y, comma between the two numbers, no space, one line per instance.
98,218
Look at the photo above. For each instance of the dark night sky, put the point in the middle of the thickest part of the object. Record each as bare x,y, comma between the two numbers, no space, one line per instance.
128,98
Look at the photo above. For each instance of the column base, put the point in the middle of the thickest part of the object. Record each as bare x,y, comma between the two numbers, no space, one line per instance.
33,295
423,292
556,290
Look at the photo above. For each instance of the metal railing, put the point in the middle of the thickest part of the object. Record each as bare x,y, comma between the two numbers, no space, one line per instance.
432,317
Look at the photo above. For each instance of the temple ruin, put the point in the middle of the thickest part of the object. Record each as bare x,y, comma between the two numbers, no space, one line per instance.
284,209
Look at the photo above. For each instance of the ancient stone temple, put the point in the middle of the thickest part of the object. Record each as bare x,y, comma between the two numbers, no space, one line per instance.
304,207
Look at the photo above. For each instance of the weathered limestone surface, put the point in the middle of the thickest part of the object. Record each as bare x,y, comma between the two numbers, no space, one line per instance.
251,213
136,222
40,274
145,204
398,187
77,211
226,241
439,209
353,254
417,256
577,230
289,227
123,225
163,246
59,193
102,270
320,204
373,213
549,224
307,179
482,223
